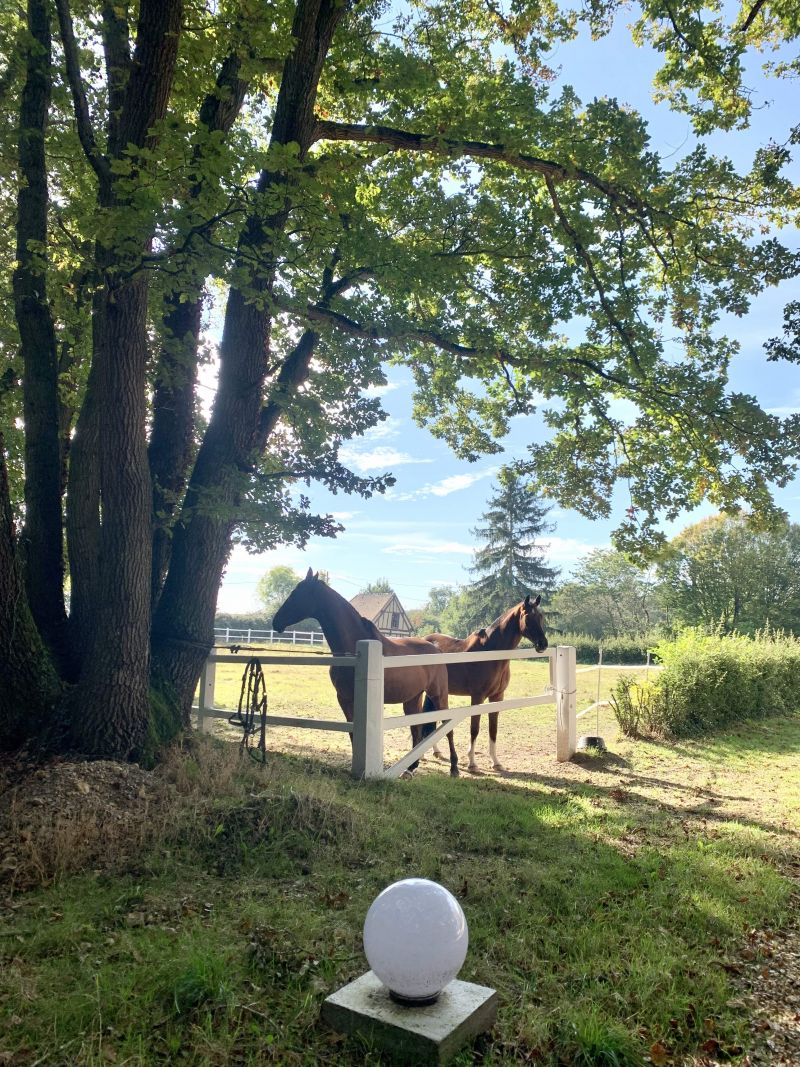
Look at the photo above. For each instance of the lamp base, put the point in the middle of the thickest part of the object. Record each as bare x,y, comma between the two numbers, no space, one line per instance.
589,741
427,1034
412,1002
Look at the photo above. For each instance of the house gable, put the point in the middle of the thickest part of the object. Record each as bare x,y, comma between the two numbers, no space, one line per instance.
386,611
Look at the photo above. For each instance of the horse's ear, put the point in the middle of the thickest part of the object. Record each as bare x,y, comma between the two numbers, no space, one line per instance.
537,601
482,633
310,574
527,602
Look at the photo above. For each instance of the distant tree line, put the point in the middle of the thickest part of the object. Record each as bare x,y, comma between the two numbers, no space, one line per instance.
724,574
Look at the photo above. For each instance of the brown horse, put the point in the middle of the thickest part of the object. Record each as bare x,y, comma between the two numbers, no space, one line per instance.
486,679
343,627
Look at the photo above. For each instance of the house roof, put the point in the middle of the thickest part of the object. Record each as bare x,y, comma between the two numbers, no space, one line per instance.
370,605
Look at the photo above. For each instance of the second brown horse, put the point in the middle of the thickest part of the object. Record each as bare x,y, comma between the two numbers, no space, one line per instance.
487,679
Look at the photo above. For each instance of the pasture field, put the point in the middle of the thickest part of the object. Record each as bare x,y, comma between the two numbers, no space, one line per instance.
623,905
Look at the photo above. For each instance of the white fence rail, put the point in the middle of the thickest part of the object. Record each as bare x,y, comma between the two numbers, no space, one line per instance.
230,635
370,722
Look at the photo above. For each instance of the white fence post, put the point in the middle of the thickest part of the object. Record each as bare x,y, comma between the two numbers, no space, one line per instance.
206,697
566,702
368,711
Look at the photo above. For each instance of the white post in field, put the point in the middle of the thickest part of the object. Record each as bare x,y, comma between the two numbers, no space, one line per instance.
206,697
368,711
566,703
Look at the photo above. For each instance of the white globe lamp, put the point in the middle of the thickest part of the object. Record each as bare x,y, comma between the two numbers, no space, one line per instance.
415,939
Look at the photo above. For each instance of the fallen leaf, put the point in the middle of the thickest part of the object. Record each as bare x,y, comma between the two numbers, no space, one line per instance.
659,1055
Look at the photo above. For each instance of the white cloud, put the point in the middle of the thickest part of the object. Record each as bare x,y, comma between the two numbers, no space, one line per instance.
792,408
384,430
380,458
422,545
453,484
381,390
784,412
564,551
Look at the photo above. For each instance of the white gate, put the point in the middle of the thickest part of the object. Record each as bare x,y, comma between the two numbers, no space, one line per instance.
369,720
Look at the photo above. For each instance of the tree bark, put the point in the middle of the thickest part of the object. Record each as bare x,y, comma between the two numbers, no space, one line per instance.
30,685
184,620
42,537
111,703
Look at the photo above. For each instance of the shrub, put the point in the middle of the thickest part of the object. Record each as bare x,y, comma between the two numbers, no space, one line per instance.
711,681
628,648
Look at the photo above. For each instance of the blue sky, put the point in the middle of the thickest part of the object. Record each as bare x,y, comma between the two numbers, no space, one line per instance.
418,534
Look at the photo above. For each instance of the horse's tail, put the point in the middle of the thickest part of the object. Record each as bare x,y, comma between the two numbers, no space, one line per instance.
428,727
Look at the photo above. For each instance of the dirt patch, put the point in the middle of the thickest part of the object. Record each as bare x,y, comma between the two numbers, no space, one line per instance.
67,816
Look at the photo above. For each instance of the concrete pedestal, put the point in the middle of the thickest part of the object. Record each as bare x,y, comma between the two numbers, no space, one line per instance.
432,1034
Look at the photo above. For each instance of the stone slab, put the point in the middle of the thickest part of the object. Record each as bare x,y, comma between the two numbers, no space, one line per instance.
429,1035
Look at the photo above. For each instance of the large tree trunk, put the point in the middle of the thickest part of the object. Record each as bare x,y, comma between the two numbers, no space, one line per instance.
183,624
111,703
42,537
170,450
30,684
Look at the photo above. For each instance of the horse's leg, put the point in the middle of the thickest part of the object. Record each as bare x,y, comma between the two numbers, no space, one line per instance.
474,730
493,717
411,707
346,704
429,727
440,702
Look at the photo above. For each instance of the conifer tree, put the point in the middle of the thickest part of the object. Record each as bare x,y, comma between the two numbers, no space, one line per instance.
511,564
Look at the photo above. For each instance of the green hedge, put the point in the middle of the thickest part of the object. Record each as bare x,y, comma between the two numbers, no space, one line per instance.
632,648
710,681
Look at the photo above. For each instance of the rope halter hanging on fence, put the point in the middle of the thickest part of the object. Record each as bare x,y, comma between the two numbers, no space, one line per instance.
251,713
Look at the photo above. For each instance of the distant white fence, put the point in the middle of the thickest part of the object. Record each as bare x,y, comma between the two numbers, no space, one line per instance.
370,722
229,635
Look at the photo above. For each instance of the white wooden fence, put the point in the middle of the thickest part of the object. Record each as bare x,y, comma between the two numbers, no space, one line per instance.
370,722
230,635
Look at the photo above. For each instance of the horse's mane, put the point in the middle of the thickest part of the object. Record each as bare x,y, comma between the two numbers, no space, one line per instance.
372,629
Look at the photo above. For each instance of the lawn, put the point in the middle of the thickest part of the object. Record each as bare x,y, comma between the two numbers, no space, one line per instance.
609,901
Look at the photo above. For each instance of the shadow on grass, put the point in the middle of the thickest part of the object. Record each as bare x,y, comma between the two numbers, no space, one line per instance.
622,794
779,734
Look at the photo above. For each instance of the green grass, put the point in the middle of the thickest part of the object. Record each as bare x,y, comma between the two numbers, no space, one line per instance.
604,899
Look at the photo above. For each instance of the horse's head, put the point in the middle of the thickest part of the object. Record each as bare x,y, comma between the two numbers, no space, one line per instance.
301,603
531,623
475,640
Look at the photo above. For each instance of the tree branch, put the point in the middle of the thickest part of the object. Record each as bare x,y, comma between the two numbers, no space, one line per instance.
605,302
446,146
751,16
97,160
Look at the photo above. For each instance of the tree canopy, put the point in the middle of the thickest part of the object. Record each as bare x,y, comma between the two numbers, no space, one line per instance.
724,574
275,586
608,595
339,186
